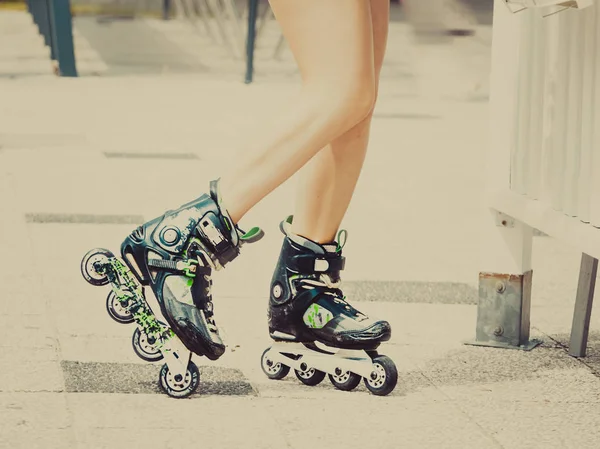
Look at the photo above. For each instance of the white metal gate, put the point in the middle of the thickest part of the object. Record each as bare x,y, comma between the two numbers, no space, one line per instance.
543,164
547,85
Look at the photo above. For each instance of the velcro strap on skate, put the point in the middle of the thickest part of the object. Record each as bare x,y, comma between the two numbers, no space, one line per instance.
316,264
188,267
217,237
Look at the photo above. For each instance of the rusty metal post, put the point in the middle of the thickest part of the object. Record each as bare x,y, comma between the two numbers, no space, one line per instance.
583,306
503,311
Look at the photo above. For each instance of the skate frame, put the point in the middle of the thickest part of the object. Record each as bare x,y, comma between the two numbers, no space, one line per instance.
132,297
296,355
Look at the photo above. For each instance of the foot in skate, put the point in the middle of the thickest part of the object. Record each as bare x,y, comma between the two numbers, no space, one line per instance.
315,328
175,255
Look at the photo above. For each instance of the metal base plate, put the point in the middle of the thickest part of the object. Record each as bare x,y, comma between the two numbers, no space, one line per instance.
496,344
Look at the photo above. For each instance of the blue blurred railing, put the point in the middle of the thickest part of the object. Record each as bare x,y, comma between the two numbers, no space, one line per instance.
251,39
54,22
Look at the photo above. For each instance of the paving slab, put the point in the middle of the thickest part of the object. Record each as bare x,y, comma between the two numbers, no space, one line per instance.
34,411
35,420
121,420
511,424
22,437
354,424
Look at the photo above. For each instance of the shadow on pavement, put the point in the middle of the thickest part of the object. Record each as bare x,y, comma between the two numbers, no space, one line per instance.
130,378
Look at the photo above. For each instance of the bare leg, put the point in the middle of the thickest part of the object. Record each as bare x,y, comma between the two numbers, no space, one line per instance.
333,46
327,182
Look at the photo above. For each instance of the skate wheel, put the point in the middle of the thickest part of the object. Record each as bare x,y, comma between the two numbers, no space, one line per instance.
144,347
346,381
178,386
384,378
116,310
87,266
273,370
310,377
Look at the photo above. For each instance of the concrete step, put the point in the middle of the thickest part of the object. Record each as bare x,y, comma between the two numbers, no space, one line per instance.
24,51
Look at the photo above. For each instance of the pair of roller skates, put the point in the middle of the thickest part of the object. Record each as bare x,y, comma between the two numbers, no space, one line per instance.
315,330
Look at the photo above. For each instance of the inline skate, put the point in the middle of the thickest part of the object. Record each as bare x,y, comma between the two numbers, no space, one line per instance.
316,331
175,255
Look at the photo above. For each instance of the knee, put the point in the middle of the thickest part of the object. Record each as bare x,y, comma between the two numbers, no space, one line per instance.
348,102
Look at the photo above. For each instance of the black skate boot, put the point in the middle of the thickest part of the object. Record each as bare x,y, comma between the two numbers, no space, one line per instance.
175,254
316,331
306,303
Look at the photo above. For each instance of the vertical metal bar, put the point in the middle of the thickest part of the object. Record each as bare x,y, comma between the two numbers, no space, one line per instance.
572,144
180,10
62,36
166,9
559,126
595,180
204,13
551,79
520,156
506,40
215,7
34,6
263,20
44,24
250,41
583,306
538,62
587,114
238,34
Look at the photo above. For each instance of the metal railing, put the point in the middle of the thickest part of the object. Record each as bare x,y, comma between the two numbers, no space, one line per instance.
54,22
225,22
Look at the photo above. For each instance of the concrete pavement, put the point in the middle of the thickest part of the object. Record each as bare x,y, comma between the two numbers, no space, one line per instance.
83,161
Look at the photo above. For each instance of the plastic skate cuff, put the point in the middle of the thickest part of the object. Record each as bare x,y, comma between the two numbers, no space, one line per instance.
315,264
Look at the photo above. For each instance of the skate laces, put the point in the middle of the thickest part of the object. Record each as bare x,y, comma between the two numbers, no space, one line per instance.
332,289
323,281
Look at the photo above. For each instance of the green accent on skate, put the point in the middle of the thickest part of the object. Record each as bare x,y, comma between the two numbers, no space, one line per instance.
252,235
189,268
293,277
190,282
227,224
317,317
341,243
131,296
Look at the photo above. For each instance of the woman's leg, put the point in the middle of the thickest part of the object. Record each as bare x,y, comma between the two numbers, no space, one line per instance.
332,42
327,182
306,303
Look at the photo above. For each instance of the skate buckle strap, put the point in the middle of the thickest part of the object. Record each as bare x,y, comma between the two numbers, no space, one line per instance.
188,267
317,264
